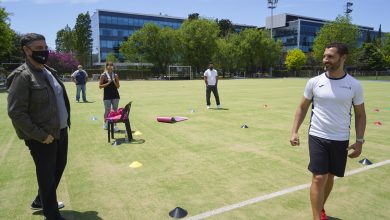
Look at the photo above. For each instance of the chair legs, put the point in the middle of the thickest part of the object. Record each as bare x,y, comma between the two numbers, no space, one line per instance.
128,130
108,133
110,130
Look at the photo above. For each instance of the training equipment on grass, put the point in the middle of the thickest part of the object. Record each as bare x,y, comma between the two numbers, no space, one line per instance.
178,213
93,118
378,123
244,126
137,133
171,119
135,164
376,110
365,161
192,111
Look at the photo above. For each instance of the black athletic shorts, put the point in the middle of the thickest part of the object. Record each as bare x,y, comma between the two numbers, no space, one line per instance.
327,156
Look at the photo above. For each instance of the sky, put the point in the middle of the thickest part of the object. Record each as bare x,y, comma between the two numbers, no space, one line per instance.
47,17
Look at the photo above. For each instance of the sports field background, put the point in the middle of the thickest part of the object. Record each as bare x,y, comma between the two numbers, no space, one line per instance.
201,164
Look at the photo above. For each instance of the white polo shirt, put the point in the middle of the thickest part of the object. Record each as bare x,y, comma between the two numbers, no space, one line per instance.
211,77
332,101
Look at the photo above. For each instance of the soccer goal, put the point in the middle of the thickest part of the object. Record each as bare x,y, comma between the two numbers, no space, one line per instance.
180,72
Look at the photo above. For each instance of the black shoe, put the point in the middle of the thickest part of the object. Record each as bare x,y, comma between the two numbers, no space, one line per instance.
38,206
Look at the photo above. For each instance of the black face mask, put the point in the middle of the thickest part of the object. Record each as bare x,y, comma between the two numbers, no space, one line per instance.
40,56
211,68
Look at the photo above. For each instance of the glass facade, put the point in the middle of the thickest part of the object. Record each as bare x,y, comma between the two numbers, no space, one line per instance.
299,32
110,29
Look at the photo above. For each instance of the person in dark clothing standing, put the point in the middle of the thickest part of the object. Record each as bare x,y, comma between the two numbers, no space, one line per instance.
109,81
39,109
80,77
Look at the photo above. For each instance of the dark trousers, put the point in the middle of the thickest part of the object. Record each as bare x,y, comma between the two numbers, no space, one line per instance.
50,161
214,89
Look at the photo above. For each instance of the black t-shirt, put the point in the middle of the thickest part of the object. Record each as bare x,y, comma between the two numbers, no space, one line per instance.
110,91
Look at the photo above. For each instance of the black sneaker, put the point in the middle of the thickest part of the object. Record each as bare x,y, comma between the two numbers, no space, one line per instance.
38,206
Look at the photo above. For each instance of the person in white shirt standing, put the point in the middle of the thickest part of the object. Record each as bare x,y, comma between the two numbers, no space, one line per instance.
211,80
332,95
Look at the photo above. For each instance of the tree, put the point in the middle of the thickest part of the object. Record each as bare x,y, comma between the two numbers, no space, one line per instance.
386,44
83,38
225,27
16,55
111,58
62,62
65,40
258,50
226,55
198,38
6,34
341,30
387,61
378,39
193,16
371,58
295,59
368,37
152,44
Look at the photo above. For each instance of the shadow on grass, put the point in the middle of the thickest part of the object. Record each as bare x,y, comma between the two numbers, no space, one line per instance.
87,102
222,109
333,218
133,141
124,132
71,214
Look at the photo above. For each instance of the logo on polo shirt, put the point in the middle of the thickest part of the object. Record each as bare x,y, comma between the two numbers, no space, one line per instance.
321,85
346,87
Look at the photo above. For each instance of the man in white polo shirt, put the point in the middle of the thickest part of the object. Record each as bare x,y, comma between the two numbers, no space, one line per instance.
211,80
332,95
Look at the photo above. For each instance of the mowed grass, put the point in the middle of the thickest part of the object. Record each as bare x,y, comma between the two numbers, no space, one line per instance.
201,164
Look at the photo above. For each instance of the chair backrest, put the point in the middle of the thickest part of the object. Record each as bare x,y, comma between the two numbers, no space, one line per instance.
126,111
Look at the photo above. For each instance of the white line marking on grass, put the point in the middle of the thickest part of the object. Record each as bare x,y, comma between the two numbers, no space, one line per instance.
276,194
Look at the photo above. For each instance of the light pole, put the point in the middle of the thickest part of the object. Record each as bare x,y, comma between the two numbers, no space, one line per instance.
348,9
272,5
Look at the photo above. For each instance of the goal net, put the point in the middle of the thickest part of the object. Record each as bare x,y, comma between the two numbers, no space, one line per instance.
180,72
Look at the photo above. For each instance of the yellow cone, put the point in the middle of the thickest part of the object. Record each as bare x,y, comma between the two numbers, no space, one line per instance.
135,164
137,133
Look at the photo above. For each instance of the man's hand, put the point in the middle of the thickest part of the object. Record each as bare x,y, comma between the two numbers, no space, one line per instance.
294,140
48,140
357,150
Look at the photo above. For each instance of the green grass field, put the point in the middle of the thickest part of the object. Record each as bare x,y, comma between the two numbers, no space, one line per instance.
201,164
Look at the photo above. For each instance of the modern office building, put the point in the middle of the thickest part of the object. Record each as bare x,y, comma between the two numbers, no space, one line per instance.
111,28
297,31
